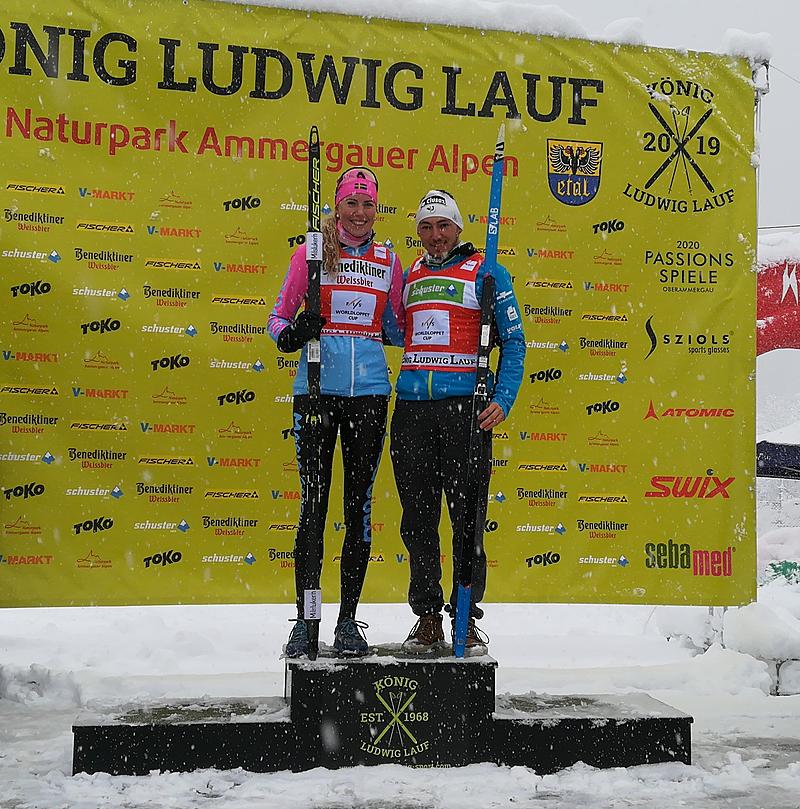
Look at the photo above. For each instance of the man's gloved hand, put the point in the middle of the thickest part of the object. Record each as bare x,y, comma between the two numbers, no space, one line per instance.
306,327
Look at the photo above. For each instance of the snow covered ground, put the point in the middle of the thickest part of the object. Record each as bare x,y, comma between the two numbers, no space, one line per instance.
746,743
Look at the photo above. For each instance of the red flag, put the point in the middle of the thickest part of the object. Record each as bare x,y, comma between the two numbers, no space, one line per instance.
778,307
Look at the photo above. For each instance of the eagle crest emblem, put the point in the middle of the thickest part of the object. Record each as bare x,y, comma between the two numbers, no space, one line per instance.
573,170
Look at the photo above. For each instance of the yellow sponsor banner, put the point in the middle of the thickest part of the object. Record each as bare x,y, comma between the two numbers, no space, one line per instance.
154,189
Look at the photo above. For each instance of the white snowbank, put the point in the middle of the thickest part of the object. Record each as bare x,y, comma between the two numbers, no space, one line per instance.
627,31
757,47
764,632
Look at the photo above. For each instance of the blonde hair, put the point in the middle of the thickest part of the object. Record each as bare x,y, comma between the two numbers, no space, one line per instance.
330,245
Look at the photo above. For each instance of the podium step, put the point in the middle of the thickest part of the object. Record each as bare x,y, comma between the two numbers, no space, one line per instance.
434,711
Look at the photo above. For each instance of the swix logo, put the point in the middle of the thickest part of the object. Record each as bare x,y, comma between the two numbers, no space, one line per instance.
702,487
241,203
24,490
285,495
236,397
176,233
163,559
241,463
163,427
101,326
544,559
93,526
550,375
681,556
170,363
32,288
105,193
690,413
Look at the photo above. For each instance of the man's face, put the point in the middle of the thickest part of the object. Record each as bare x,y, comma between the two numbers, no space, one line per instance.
438,235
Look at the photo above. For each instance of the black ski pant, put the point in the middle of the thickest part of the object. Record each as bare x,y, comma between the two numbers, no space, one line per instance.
430,455
360,421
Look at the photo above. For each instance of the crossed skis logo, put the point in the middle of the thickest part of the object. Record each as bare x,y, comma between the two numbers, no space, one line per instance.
394,724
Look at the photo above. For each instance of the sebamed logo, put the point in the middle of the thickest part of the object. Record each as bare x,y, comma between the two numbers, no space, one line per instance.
25,390
601,439
95,458
236,397
173,233
162,558
239,236
94,525
21,528
238,267
689,342
171,297
544,559
606,287
695,413
672,555
29,325
238,300
524,435
229,559
101,360
573,170
92,561
551,255
30,356
33,423
549,283
109,194
541,498
283,558
166,428
544,408
603,347
173,200
167,396
102,259
601,529
105,227
549,225
541,528
547,315
689,269
24,491
233,462
173,264
99,393
395,714
36,188
233,332
30,289
607,259
680,161
696,487
163,492
233,432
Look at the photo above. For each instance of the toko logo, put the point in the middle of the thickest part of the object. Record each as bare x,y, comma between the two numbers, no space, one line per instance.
236,397
92,526
171,362
163,559
544,559
101,326
32,288
24,491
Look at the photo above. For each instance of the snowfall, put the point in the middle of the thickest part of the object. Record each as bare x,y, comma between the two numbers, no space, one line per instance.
718,666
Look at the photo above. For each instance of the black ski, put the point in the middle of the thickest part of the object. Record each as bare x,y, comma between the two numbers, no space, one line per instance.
312,595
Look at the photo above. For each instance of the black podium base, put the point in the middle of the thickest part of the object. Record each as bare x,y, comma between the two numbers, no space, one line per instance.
385,708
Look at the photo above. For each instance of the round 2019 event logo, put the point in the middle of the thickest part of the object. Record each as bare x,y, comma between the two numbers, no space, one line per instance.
396,728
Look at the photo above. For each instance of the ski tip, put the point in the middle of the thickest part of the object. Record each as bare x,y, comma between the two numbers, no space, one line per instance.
313,135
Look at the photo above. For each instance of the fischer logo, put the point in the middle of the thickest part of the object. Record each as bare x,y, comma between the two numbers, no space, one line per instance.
25,390
549,283
232,494
603,498
161,460
35,188
283,527
702,487
681,556
104,426
236,397
544,559
172,264
605,317
237,300
24,490
32,288
104,227
690,413
693,342
162,559
93,525
550,375
608,406
543,467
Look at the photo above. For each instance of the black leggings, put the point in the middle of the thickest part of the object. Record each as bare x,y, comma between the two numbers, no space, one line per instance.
361,423
429,449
